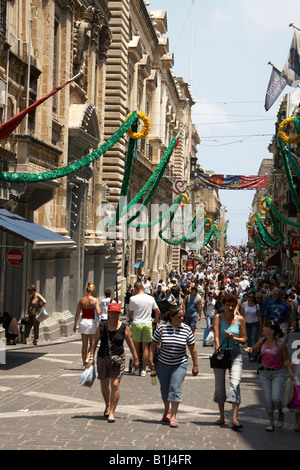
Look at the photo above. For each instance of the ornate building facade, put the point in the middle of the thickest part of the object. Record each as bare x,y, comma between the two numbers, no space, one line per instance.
121,50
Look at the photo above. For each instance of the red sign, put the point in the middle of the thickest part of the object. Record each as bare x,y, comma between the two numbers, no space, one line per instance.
296,244
14,257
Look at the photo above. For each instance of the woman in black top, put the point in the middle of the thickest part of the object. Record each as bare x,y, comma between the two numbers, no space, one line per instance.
108,374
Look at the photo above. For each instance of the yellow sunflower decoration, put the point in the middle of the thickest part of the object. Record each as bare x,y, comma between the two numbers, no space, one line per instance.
283,136
146,129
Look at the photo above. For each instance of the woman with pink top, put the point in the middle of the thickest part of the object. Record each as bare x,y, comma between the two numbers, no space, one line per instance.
274,355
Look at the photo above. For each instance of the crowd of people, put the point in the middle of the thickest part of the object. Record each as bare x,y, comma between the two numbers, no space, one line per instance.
243,305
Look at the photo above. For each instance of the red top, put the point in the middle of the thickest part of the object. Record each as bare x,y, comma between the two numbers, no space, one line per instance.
88,313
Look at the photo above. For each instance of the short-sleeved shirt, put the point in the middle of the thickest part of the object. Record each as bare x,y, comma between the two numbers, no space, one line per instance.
142,305
173,343
277,311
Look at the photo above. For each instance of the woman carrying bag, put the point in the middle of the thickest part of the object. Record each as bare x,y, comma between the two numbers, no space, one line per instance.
230,333
111,357
274,355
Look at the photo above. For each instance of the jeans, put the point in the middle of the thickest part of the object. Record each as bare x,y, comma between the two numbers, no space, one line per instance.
209,321
171,379
272,382
235,375
252,330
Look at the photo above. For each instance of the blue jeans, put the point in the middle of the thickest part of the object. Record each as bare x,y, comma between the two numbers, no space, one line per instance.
252,330
235,375
171,379
272,382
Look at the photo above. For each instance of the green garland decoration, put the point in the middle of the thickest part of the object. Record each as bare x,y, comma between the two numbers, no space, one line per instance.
153,181
206,240
173,208
266,237
288,173
177,242
279,215
73,167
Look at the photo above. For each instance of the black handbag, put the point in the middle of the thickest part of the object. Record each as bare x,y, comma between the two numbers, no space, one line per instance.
221,359
25,321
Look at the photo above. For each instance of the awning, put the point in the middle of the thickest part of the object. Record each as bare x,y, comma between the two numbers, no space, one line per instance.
38,235
274,260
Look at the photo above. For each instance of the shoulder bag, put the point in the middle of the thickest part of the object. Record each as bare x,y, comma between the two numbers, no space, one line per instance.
115,361
221,359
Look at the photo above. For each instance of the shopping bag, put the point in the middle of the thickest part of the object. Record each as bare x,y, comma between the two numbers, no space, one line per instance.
205,335
288,392
296,397
210,338
88,376
43,315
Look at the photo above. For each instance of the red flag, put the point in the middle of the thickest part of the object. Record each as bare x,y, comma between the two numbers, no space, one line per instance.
177,143
9,126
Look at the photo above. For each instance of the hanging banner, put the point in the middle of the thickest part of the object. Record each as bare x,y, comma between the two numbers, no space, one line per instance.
203,180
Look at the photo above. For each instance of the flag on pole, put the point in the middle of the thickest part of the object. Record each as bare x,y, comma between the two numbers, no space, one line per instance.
291,70
276,85
9,126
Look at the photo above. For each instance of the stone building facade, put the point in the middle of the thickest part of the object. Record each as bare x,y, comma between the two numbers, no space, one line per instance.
288,260
122,50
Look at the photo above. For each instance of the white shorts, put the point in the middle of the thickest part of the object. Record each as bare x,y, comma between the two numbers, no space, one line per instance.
87,327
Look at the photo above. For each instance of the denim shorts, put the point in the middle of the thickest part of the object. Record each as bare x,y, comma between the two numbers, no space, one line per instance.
191,322
171,379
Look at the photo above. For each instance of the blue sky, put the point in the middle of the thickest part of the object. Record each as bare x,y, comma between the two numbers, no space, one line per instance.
227,66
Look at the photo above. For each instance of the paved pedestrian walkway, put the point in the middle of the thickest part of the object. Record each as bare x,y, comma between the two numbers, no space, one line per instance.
43,407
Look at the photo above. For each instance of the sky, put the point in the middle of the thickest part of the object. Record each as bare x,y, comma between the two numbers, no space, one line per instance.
222,48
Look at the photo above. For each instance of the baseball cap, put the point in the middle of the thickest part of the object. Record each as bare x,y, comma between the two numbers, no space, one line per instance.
114,307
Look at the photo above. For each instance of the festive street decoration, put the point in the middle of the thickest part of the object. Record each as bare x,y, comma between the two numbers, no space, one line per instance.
146,129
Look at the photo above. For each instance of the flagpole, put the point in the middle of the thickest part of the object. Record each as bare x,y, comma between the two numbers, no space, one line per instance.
28,75
294,26
278,70
7,63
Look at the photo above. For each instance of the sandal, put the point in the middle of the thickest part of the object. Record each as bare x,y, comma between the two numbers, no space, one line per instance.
219,422
166,418
173,423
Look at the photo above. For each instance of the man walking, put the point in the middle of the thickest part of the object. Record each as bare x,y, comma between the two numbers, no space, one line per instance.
140,311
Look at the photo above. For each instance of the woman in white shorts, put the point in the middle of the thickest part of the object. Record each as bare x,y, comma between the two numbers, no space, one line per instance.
89,306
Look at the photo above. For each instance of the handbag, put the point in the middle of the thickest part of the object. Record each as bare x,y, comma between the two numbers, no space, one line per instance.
113,359
43,315
296,397
288,393
156,352
221,359
25,321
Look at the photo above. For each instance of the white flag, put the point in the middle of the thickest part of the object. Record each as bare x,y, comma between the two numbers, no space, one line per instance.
291,70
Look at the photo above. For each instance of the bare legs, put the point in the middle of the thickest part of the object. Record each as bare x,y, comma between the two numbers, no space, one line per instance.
110,389
86,348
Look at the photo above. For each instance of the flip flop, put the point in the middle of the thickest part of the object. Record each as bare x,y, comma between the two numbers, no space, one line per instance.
166,418
173,423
